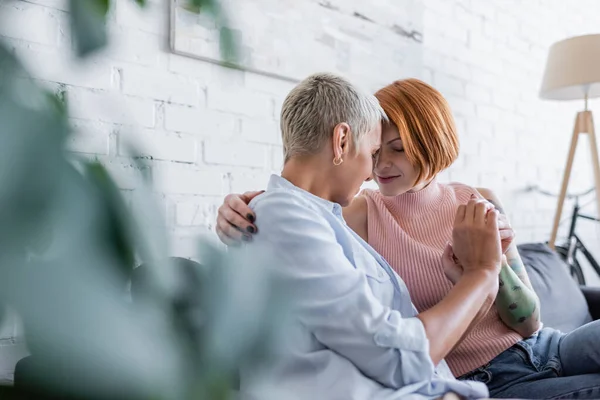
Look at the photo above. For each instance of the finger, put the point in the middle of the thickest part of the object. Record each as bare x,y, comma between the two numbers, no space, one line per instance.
235,219
448,255
238,204
231,231
248,196
226,239
460,214
503,222
506,234
492,220
481,210
470,214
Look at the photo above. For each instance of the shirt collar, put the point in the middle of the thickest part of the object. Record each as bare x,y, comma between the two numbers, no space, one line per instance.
277,182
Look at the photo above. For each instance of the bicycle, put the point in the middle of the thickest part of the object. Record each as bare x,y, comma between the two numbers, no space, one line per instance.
573,244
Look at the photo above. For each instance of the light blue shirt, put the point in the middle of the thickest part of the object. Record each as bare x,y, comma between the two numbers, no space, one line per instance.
354,332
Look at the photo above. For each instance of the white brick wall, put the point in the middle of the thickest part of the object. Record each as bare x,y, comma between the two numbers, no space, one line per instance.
488,57
208,130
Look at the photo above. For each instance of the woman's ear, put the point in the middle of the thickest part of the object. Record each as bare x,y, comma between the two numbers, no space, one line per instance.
341,140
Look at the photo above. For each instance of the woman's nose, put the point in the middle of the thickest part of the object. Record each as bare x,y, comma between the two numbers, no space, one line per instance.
380,162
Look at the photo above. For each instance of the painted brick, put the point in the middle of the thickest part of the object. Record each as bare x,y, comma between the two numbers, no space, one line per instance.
200,121
110,107
188,214
91,138
31,22
240,102
202,71
235,154
179,180
165,146
135,46
125,174
479,94
151,19
277,156
448,85
154,84
244,182
261,83
261,131
461,106
45,63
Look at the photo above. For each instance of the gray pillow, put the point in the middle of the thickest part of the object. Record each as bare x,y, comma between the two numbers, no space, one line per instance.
563,305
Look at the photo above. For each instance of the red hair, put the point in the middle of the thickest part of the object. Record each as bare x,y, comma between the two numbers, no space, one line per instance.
425,123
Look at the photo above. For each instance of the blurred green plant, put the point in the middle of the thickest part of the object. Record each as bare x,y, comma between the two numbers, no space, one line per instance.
68,248
88,23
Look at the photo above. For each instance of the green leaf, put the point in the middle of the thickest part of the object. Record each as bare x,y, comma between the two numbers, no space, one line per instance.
141,3
198,6
228,39
88,25
116,234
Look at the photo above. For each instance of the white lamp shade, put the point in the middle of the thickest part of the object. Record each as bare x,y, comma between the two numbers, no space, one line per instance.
572,69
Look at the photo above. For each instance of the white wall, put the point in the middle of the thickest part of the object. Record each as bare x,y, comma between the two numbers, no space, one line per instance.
487,58
210,131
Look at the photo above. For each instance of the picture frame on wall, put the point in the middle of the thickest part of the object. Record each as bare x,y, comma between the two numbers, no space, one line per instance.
291,39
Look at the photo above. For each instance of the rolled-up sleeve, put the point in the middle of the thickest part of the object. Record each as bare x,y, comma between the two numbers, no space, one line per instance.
333,299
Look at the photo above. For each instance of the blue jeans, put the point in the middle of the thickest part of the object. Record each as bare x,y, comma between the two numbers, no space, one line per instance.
547,365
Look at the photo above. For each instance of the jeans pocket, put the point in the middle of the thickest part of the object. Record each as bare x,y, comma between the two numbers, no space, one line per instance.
525,350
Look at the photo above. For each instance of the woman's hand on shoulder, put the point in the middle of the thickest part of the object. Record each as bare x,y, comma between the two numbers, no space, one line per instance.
235,219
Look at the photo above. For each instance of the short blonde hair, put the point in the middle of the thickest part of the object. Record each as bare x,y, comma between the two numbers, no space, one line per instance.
425,122
316,105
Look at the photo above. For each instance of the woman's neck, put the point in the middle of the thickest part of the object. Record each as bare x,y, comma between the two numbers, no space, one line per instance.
309,174
425,198
421,186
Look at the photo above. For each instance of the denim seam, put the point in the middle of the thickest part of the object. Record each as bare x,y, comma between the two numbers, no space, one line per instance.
554,364
561,396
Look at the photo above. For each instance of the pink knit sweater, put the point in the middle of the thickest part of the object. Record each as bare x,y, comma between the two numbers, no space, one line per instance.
410,231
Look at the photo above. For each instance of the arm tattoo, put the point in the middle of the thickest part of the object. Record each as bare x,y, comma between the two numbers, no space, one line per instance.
516,264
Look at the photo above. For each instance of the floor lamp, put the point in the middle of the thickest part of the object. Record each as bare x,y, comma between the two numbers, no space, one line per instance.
573,73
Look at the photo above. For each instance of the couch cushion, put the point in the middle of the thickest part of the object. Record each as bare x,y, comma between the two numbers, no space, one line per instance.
563,305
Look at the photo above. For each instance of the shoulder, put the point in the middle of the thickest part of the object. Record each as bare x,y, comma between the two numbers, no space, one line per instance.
288,214
487,193
368,198
280,199
461,191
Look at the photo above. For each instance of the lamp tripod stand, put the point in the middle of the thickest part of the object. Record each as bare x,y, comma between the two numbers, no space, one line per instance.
584,124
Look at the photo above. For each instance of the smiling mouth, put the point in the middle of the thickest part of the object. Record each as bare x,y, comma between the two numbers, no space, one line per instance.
386,179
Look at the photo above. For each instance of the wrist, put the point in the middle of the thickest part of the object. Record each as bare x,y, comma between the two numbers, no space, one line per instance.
483,277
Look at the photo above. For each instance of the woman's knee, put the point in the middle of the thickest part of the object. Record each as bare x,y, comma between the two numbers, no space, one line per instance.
579,350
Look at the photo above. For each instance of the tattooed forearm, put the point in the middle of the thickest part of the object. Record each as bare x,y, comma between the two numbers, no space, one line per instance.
515,263
516,303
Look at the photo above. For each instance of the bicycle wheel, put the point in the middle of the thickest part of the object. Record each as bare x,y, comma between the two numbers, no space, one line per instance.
574,268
